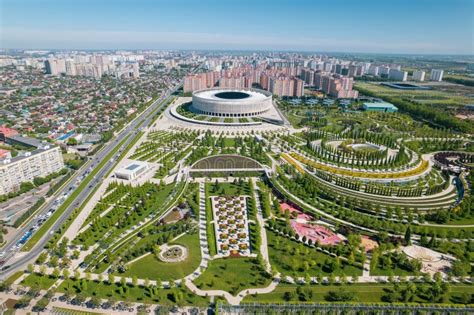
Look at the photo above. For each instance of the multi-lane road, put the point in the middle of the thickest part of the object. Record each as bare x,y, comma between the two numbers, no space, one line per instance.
12,263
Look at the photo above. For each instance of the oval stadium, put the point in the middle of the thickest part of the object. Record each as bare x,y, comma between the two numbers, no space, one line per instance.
223,102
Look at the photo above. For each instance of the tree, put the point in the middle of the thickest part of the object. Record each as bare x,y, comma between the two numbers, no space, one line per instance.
41,305
134,281
111,278
72,141
53,262
341,295
56,273
94,302
66,274
42,270
408,236
42,258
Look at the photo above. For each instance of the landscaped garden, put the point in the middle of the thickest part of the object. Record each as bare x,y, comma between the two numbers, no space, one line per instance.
233,275
131,293
297,260
150,267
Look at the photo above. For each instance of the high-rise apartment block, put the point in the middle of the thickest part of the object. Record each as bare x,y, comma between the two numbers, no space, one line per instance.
286,86
436,75
279,81
419,75
55,66
40,162
397,75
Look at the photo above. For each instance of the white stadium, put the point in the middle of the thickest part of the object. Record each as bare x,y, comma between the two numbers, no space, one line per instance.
223,102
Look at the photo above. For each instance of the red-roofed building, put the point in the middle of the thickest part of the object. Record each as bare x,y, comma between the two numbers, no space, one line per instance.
6,132
5,154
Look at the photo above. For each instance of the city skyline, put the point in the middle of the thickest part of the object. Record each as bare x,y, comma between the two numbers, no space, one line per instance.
411,27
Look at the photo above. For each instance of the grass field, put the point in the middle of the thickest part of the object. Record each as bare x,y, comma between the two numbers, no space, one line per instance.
14,277
68,311
288,257
232,275
152,268
133,294
229,189
394,272
39,281
363,292
438,96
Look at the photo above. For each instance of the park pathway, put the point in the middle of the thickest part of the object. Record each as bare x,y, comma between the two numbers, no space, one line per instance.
205,256
263,235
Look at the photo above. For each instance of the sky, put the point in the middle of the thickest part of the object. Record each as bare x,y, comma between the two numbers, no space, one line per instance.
373,26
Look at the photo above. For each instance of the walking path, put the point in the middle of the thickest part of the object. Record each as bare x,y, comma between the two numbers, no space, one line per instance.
263,235
205,256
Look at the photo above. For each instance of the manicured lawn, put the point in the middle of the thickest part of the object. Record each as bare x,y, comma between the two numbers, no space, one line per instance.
233,275
14,277
229,189
210,231
69,311
133,294
363,292
152,268
211,239
37,280
394,272
229,142
289,258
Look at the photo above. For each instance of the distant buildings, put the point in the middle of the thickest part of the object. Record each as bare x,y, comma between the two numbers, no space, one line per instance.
397,75
91,66
419,75
279,81
42,161
55,66
436,75
286,86
335,85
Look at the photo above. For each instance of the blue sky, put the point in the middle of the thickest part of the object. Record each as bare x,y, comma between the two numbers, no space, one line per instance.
388,26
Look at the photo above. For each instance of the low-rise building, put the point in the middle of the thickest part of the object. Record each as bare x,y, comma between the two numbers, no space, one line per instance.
132,170
380,107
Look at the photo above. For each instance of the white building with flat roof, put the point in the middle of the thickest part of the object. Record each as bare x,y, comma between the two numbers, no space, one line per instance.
132,171
419,75
436,75
397,75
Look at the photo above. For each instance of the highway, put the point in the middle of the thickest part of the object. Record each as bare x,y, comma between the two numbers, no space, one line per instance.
141,121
